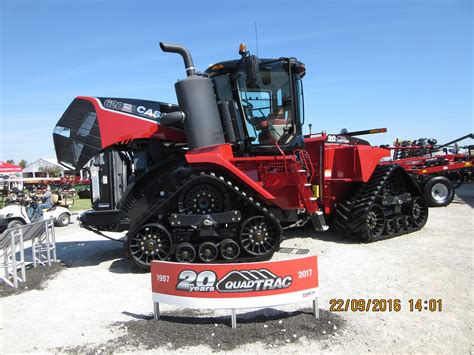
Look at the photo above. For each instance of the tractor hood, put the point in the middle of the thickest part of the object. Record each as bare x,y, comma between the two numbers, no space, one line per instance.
91,124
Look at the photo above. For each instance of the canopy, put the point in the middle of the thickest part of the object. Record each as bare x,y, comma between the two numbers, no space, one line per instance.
6,168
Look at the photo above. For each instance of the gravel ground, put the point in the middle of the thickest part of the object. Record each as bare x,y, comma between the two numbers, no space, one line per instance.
36,278
100,303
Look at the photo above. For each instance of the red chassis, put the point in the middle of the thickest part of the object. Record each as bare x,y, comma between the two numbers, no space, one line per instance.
283,180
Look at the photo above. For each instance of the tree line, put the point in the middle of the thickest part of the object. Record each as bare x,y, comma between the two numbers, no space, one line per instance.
21,163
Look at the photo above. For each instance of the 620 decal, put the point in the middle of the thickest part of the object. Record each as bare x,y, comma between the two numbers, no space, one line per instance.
113,104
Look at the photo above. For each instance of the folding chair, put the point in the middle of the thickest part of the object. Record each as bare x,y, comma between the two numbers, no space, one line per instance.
43,242
12,257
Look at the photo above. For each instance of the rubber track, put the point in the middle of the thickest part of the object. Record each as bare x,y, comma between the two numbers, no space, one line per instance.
351,214
174,192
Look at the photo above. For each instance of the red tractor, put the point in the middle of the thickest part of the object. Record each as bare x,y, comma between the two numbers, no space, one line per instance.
220,175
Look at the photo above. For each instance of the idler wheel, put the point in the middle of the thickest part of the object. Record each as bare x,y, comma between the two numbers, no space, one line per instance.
419,212
208,252
259,235
150,242
375,221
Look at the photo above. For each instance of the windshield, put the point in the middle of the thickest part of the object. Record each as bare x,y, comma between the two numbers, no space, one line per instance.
267,104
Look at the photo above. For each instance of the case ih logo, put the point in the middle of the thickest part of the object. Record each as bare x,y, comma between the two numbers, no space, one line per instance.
127,107
252,280
234,281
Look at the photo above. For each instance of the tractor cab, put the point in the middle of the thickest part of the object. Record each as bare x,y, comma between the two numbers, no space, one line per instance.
260,102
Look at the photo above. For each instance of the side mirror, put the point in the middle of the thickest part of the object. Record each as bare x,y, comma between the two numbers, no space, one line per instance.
252,69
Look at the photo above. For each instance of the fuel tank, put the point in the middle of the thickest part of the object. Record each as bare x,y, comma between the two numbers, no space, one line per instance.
91,124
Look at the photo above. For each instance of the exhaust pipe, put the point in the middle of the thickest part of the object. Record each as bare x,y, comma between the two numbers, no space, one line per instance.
184,52
198,113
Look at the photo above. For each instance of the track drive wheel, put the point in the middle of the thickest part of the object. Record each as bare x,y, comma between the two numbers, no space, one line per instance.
150,242
203,198
259,236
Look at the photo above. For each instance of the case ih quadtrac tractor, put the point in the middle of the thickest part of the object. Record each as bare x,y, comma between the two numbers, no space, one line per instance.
219,176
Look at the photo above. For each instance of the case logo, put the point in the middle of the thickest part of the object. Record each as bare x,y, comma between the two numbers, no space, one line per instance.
148,112
126,107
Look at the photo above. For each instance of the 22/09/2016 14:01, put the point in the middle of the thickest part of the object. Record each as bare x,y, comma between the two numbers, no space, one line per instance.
384,305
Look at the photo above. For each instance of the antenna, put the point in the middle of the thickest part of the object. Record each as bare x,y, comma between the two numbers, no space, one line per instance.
256,37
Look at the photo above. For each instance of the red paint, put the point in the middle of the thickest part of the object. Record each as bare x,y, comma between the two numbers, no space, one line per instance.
116,127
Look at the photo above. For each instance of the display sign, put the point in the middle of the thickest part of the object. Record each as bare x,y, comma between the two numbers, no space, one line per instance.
246,285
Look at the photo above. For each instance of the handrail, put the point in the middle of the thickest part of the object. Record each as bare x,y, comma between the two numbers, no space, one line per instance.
284,156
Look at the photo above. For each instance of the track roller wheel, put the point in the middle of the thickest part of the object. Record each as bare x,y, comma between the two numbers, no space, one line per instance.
185,253
229,249
375,222
389,227
259,235
208,252
150,242
419,212
408,222
399,224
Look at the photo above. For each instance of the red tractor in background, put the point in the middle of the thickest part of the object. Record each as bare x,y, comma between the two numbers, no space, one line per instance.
220,175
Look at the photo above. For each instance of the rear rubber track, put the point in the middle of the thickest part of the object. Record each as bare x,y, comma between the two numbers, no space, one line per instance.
352,214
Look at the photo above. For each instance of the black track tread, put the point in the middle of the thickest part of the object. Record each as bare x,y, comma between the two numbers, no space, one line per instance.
351,213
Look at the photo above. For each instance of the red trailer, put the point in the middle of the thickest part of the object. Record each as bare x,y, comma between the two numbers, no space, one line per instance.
438,174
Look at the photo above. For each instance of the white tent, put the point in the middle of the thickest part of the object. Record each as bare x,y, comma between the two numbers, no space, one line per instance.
43,168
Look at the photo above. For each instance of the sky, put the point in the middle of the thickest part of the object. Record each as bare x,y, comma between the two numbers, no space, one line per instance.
404,65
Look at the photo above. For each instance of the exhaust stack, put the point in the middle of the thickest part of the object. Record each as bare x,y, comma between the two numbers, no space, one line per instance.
197,100
183,52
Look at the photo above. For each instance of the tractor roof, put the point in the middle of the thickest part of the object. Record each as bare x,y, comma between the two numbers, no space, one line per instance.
231,65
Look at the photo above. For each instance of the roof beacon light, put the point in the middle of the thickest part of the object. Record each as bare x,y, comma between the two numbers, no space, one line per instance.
242,49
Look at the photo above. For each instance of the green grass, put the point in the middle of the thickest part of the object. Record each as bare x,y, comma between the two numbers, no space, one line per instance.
81,204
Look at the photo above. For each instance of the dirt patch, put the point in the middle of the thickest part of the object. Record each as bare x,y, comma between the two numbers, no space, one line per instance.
270,327
36,278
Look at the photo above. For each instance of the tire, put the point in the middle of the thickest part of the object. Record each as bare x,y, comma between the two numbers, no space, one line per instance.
63,220
14,223
439,191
